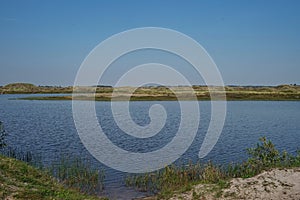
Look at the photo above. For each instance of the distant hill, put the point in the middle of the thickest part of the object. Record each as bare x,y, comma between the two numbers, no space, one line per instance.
27,88
20,87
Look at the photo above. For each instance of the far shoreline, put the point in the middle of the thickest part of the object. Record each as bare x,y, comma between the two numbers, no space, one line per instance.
148,98
156,93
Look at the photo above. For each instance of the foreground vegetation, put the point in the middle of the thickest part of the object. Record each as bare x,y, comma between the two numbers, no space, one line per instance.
19,180
173,179
69,171
158,93
23,176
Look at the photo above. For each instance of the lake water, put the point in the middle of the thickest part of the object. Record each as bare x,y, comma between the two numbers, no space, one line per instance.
47,129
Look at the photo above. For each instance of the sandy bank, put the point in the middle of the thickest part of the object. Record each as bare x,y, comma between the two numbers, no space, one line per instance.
276,184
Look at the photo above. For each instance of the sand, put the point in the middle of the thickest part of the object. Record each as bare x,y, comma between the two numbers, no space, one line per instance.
276,184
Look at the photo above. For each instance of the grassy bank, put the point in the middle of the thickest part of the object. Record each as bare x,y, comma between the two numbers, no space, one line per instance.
176,179
19,180
230,97
71,173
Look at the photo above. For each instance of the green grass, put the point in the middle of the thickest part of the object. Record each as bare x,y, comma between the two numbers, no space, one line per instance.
176,179
71,171
19,180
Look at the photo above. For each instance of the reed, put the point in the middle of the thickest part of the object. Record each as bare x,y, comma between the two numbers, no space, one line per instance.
76,173
3,134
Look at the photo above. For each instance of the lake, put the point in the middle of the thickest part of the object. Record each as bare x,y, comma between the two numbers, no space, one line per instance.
47,129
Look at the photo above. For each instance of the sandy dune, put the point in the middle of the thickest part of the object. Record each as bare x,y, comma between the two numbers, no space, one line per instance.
275,184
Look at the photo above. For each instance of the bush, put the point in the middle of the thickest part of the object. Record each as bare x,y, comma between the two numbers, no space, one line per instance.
265,154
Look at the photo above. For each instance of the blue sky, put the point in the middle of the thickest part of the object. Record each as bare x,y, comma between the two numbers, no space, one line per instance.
252,42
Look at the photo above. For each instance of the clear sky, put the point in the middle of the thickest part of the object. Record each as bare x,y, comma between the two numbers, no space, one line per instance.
252,42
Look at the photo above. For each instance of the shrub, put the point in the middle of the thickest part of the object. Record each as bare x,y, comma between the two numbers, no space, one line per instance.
265,154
